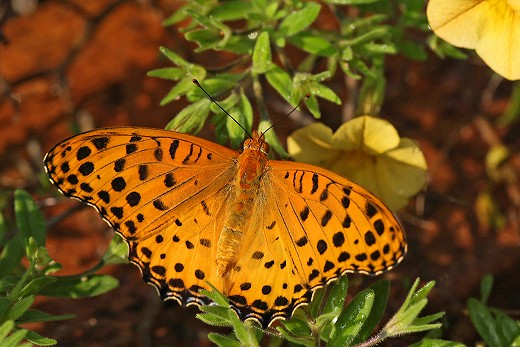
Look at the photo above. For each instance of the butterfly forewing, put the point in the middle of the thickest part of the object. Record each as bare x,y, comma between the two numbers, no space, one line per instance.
161,190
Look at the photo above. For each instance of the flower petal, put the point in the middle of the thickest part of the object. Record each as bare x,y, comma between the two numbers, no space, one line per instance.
491,27
405,161
457,21
499,45
370,134
312,145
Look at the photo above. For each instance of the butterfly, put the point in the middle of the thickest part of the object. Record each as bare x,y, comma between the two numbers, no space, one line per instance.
265,233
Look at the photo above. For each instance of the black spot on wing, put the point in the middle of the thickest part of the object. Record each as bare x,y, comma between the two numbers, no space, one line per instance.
315,180
100,142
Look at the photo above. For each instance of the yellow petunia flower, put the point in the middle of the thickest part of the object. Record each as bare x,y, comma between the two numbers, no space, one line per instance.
491,27
368,151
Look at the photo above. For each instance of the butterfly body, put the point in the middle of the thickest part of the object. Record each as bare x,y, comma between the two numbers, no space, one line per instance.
265,233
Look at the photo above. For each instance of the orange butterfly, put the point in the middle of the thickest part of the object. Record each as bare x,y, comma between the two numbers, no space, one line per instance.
265,233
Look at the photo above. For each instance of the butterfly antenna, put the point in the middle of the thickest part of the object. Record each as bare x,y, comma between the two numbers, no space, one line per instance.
288,114
223,110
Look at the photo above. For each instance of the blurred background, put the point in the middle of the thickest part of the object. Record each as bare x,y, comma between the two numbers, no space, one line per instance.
77,65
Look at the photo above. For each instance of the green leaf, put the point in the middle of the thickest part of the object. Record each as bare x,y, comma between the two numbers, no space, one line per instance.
337,295
116,252
280,81
314,44
214,320
81,287
216,296
232,10
436,343
317,302
239,45
29,219
312,106
11,255
192,118
324,92
262,54
19,307
483,322
5,329
15,338
486,285
246,110
507,328
381,290
351,320
412,50
168,73
176,16
34,316
35,285
39,340
379,48
243,330
223,341
216,86
297,326
174,57
299,20
272,139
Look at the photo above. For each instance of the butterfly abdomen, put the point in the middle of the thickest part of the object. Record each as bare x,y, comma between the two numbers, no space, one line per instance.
251,166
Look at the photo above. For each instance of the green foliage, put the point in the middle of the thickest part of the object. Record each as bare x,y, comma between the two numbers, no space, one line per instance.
19,284
494,326
259,33
328,320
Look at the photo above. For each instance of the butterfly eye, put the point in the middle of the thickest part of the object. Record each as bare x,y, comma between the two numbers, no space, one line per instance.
247,143
264,147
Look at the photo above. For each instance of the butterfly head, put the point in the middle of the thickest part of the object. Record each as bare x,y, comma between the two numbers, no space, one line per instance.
257,142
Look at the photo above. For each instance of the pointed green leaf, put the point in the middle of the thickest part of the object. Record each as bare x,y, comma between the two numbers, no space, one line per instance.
352,318
262,54
29,219
39,340
116,252
436,343
192,118
337,295
34,316
168,73
483,322
223,341
214,320
15,338
314,44
486,285
300,20
232,10
281,81
216,296
381,290
87,286
19,307
35,285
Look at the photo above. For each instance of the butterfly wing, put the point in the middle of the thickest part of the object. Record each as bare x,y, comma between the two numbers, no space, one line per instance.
309,227
161,191
336,225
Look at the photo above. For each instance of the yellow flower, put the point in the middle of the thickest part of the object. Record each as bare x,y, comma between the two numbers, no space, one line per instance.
368,151
491,27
